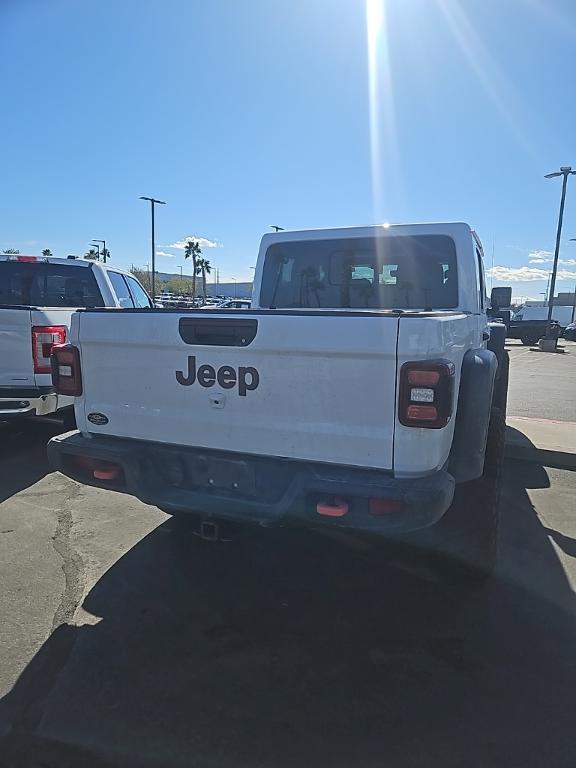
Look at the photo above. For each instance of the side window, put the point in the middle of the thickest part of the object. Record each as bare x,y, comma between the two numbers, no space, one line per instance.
121,290
141,298
481,278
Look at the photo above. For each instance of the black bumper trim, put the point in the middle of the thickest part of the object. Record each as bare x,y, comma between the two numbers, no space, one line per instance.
284,490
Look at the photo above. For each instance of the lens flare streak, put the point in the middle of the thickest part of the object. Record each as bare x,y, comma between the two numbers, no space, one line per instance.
384,150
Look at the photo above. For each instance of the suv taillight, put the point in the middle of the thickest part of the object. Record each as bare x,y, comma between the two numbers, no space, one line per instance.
44,338
426,393
66,373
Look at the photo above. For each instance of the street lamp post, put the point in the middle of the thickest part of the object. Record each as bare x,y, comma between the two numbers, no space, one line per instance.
148,274
95,245
153,202
564,171
103,249
234,279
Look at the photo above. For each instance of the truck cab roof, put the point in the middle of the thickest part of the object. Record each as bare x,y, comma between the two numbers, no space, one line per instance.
75,262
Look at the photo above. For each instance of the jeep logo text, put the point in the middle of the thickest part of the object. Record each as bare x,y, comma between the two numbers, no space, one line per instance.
227,377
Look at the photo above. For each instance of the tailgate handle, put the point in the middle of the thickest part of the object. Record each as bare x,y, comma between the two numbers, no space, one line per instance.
218,332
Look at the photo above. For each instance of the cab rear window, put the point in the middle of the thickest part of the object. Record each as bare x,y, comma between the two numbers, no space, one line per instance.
395,272
48,285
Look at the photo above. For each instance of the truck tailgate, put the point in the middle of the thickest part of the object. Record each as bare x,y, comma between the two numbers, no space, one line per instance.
16,364
311,385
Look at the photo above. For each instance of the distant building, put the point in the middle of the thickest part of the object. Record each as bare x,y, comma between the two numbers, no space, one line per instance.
564,300
561,300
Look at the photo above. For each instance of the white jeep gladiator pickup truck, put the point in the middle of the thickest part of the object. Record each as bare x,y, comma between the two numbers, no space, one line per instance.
38,296
362,388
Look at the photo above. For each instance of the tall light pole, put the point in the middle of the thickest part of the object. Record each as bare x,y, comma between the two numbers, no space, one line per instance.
153,202
95,245
104,247
564,171
235,281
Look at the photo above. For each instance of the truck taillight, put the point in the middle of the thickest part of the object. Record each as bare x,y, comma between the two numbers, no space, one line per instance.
44,338
426,393
66,373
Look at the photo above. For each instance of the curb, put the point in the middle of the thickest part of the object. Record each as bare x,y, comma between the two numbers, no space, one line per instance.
549,458
549,442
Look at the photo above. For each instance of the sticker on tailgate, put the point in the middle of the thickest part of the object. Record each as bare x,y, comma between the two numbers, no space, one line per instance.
246,378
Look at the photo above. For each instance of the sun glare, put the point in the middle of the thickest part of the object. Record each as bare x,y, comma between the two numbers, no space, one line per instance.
491,78
385,167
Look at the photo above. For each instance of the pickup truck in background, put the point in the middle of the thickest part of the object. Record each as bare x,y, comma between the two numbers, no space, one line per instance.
529,324
38,297
365,390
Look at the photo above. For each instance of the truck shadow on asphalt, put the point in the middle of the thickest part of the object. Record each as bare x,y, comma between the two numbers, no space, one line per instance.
284,648
24,438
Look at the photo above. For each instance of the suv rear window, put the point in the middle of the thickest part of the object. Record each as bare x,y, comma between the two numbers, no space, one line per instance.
394,272
48,285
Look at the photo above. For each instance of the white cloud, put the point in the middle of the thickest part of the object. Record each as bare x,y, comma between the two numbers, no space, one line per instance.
540,257
204,242
527,274
517,274
547,257
163,253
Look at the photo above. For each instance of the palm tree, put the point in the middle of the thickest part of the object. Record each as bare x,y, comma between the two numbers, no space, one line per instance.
47,253
194,252
205,269
10,250
92,255
198,269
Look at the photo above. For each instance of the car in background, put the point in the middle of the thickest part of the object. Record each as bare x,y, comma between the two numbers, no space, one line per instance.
570,332
235,304
529,323
38,297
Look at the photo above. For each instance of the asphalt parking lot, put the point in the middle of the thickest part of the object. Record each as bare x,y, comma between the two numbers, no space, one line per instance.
542,384
127,641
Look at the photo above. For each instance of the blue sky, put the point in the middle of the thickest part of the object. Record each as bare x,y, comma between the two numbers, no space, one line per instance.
246,114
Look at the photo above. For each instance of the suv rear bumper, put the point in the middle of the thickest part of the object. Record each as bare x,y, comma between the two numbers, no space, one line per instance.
246,488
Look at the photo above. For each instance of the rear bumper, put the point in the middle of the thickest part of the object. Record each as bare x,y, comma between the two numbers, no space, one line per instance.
27,401
254,489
